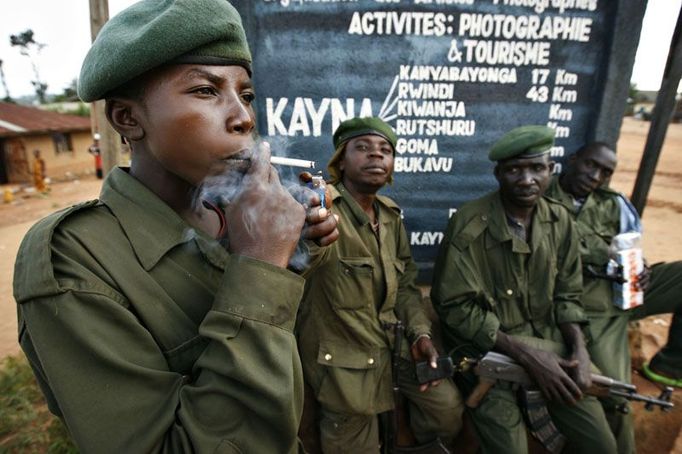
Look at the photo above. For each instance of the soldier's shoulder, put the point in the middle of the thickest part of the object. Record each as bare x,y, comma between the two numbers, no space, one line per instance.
557,211
470,221
389,203
33,270
606,194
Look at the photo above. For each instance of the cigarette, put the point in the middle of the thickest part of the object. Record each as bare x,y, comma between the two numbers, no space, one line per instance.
292,162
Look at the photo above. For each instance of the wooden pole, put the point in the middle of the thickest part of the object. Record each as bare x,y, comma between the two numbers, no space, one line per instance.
660,118
110,142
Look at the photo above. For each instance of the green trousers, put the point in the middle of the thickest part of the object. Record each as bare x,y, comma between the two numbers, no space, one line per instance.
501,428
609,348
436,412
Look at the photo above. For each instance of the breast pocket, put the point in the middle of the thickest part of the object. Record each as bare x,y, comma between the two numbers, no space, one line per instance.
509,308
354,283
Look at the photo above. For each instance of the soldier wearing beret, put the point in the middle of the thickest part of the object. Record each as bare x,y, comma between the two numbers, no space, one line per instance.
356,290
154,319
508,279
600,214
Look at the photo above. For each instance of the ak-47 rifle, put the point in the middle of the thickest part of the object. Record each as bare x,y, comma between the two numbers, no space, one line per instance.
495,366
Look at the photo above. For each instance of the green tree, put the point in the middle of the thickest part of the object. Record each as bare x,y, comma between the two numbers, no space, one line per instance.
69,94
30,48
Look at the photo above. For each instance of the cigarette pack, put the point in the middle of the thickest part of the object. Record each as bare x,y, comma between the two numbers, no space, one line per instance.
629,263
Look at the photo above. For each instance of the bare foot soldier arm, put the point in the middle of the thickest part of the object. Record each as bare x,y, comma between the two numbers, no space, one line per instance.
158,318
508,278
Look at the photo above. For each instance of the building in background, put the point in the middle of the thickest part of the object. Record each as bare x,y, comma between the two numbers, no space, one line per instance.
62,139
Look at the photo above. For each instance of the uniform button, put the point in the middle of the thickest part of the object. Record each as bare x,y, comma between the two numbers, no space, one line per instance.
484,218
328,357
510,292
370,361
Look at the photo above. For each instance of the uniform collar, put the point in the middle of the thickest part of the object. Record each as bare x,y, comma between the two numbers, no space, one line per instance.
558,194
339,191
152,227
359,215
499,230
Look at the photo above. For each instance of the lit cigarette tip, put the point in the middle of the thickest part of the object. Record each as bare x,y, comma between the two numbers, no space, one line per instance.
292,162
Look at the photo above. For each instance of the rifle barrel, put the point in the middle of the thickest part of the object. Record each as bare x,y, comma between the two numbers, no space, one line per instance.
641,398
611,383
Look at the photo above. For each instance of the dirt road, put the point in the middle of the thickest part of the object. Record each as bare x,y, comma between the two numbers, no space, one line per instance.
15,220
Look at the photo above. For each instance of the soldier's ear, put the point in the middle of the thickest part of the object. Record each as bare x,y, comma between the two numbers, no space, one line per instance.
123,116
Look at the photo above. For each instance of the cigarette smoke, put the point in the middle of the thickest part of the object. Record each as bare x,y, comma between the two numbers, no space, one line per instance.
221,189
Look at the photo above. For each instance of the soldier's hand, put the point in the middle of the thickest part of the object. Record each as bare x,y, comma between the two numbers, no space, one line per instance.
320,224
423,350
579,369
644,278
263,220
547,369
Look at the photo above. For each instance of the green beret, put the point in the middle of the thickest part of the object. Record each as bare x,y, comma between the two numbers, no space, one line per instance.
525,141
151,33
360,126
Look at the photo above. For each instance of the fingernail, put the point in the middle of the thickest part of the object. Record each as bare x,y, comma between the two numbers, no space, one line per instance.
336,216
322,212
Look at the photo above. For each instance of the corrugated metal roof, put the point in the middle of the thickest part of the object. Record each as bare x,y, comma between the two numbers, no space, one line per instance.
16,120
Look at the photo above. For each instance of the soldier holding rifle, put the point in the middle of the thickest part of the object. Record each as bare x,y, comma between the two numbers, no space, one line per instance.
154,319
508,279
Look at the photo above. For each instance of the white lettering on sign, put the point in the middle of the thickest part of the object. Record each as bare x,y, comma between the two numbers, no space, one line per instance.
422,165
306,117
541,5
556,112
426,91
560,132
532,28
442,127
557,152
560,94
425,238
444,2
517,53
287,3
399,23
451,109
476,74
563,77
417,146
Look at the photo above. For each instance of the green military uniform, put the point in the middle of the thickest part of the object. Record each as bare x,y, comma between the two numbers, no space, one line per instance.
145,333
597,221
355,287
487,279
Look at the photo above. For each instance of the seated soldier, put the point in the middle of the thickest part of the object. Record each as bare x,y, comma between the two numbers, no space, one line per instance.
508,279
356,289
599,215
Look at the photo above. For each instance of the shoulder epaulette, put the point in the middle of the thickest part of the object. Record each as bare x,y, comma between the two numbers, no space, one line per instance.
390,203
472,230
35,252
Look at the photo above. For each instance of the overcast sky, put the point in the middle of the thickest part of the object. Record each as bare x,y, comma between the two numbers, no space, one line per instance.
64,26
